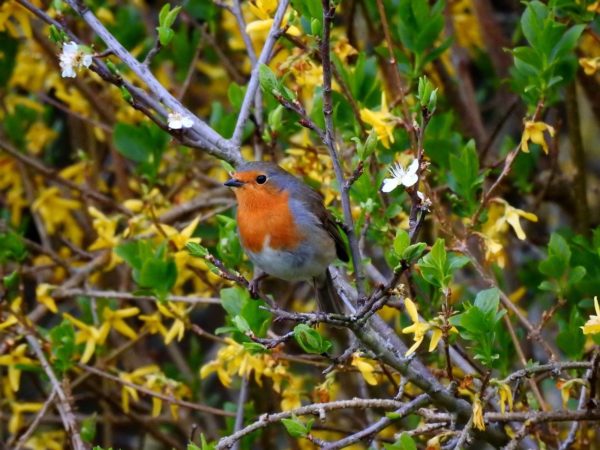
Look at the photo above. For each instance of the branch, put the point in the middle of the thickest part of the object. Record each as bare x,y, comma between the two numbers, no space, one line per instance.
151,393
318,409
63,405
60,292
380,424
200,135
329,141
253,85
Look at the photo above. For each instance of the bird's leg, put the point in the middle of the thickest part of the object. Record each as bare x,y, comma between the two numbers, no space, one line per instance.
254,285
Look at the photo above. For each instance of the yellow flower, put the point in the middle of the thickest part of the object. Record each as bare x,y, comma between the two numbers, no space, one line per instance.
366,368
114,319
343,49
56,211
594,7
290,397
180,238
382,122
42,294
134,205
264,10
138,376
88,334
12,360
106,229
11,182
498,221
592,326
18,409
478,420
47,440
38,136
153,324
15,11
590,65
566,386
176,311
506,396
466,25
420,329
534,132
234,359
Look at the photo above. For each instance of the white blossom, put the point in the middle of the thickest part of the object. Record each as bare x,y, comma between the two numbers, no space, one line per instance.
401,176
72,57
177,121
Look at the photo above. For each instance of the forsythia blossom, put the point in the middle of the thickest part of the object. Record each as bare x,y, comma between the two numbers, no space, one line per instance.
178,121
590,65
401,176
73,56
592,326
534,132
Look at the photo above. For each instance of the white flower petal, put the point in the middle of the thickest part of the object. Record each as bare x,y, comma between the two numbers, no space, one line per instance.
414,166
409,179
68,72
389,184
87,60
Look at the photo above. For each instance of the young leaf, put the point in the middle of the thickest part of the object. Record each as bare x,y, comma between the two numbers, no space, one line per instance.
310,340
296,428
268,81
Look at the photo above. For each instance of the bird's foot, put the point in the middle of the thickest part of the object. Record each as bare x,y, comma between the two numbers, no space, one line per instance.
254,285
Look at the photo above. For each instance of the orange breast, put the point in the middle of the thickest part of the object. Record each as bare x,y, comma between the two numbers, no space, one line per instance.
264,212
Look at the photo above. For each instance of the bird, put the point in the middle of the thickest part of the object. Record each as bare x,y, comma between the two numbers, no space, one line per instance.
286,231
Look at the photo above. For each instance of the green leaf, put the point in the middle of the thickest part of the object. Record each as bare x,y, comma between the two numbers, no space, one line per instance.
171,16
487,301
62,338
236,93
401,241
296,428
162,15
143,144
413,251
204,444
152,268
464,178
567,42
165,35
310,340
405,442
196,250
559,257
434,266
247,314
12,247
268,81
241,324
88,428
8,55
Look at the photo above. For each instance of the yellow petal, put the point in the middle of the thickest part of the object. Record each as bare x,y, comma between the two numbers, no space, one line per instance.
436,335
411,309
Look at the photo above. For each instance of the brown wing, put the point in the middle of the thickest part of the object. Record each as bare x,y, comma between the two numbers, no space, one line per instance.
334,231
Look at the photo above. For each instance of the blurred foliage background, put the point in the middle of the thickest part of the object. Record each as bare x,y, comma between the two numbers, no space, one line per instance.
123,277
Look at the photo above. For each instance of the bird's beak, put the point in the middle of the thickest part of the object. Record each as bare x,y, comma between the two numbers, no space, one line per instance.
234,183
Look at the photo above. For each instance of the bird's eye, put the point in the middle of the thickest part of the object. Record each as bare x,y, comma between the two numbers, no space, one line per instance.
261,179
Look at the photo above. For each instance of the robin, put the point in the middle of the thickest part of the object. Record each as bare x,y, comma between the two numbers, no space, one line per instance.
286,230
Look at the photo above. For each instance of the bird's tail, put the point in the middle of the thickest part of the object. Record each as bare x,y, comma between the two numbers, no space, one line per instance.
328,299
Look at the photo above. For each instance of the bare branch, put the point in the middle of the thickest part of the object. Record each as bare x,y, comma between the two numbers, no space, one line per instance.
254,82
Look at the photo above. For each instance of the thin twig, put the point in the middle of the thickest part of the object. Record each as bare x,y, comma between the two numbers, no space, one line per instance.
254,83
63,405
329,141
